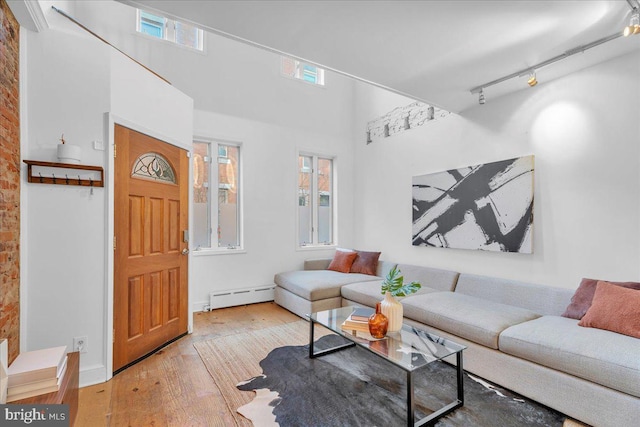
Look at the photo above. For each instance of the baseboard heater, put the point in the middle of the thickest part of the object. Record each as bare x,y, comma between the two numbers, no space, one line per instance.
233,297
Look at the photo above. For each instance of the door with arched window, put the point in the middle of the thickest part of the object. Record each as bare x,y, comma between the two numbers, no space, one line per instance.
150,262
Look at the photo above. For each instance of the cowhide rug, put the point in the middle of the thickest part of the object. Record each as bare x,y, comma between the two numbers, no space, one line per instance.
356,388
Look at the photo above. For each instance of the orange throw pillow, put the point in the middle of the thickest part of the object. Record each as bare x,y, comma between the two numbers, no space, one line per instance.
342,261
581,300
614,308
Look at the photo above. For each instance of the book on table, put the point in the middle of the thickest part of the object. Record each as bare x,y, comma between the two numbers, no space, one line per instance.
37,388
37,365
355,325
362,314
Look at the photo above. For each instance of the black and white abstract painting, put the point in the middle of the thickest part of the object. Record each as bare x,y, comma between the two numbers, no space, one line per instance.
485,207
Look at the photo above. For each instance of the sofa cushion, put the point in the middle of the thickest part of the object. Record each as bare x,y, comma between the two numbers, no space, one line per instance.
318,284
368,293
434,278
596,355
538,298
614,308
475,319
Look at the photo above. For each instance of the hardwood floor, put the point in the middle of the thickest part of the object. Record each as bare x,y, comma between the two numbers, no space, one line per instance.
173,387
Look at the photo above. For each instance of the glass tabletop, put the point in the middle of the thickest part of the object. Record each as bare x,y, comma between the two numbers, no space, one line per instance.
410,348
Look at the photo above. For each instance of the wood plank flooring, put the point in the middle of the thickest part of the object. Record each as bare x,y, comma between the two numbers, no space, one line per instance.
172,387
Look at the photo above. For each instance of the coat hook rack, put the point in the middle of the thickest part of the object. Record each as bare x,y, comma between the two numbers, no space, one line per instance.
45,173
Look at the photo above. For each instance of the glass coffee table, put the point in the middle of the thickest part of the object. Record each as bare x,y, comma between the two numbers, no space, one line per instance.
398,348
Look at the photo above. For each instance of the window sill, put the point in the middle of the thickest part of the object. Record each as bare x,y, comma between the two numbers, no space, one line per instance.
220,251
315,247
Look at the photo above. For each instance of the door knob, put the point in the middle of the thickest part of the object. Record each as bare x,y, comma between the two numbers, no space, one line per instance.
185,251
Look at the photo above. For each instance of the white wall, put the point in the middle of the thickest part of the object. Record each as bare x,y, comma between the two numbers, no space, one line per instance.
67,91
269,178
72,81
583,130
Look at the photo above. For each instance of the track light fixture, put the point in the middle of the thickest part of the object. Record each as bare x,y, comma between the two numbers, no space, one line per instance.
633,28
527,71
634,23
481,99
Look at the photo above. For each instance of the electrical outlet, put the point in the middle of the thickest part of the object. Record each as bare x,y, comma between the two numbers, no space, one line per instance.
80,344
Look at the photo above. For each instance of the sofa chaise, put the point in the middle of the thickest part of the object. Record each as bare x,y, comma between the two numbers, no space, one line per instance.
514,332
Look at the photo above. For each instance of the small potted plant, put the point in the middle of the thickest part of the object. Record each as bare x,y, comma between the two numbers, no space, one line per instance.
393,286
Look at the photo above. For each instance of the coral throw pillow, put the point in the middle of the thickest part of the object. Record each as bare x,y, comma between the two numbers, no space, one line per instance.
342,261
614,308
581,300
366,263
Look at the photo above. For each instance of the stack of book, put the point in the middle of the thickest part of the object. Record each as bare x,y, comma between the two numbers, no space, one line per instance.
358,321
36,372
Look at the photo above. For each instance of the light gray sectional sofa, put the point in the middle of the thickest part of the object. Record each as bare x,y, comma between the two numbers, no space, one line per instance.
514,333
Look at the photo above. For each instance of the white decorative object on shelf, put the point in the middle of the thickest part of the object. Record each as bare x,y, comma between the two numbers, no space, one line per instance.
68,153
392,308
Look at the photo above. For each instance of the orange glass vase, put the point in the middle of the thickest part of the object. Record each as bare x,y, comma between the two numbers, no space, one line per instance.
378,323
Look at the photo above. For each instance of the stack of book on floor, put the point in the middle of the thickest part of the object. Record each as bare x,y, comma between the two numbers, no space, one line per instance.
358,321
36,372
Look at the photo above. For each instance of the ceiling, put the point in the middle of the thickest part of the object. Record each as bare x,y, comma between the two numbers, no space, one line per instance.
433,51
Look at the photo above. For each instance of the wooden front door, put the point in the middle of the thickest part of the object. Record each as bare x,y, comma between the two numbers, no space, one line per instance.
150,262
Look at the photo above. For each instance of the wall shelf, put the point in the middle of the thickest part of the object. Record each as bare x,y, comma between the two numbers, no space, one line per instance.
64,174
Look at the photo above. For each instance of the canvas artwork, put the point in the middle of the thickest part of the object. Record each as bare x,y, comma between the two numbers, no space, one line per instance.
483,207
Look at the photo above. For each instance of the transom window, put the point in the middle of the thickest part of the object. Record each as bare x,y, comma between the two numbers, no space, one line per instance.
315,200
171,30
302,71
216,195
154,167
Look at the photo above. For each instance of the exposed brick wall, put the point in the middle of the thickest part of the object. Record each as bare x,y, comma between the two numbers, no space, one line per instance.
9,181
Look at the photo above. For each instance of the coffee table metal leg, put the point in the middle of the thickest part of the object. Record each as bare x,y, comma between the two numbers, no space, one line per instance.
313,355
460,379
410,402
311,339
435,416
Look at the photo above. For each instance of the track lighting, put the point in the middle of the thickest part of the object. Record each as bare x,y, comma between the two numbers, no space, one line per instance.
634,24
481,99
568,53
532,79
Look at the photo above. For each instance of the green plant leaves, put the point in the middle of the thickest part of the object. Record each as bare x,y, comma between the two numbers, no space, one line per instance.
394,283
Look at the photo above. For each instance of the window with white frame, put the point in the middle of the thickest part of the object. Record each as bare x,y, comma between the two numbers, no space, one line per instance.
216,219
163,28
302,71
315,200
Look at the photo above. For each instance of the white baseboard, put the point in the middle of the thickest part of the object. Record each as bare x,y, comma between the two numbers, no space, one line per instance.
92,375
200,305
234,297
